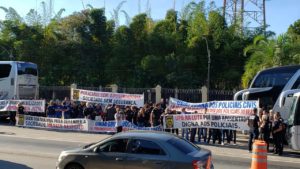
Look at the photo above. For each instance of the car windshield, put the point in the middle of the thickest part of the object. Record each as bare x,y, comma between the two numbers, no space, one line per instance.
88,145
96,143
183,145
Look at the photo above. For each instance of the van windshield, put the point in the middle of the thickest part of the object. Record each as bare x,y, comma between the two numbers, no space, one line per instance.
5,70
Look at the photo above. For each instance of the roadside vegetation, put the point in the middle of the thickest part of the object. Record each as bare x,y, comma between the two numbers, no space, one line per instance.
91,49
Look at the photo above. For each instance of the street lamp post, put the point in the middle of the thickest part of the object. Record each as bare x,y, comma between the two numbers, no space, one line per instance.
208,67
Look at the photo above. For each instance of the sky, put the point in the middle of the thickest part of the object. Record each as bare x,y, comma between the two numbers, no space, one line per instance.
280,14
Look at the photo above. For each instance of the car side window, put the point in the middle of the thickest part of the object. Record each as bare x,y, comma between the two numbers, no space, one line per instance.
139,146
118,145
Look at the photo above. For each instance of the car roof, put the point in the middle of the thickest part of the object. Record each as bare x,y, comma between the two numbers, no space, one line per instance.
152,135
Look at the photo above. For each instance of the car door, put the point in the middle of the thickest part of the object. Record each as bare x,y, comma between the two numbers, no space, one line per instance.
145,154
110,154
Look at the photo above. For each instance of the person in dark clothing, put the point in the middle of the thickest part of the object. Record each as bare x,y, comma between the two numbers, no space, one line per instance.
264,128
155,116
20,109
128,114
253,123
110,113
141,118
89,112
147,115
135,112
278,133
193,132
74,110
12,118
50,112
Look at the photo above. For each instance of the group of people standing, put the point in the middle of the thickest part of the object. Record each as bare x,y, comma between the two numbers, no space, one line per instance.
204,135
266,125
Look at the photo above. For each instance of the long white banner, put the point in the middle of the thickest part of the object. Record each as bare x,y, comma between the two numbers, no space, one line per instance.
53,123
238,108
108,97
215,114
29,105
77,124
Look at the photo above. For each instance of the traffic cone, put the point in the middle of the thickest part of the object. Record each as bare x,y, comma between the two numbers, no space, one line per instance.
259,155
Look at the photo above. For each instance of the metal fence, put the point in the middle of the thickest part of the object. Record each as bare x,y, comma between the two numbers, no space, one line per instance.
189,95
221,94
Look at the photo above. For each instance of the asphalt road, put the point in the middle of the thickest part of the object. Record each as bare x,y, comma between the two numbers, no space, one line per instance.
39,149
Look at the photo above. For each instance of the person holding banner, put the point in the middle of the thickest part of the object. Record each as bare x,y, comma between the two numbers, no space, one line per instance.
20,109
202,131
50,112
184,131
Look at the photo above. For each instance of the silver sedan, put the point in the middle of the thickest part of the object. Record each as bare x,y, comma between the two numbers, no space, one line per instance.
137,150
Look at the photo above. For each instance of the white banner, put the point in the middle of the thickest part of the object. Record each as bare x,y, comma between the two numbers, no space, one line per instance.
29,105
238,108
108,97
206,121
54,123
77,124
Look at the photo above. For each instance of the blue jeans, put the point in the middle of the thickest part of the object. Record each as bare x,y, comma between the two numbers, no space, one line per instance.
185,133
252,134
202,132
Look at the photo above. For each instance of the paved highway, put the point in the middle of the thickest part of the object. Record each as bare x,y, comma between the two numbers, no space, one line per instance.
23,148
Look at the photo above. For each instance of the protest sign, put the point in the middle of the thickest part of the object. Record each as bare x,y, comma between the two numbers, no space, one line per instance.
207,121
109,126
29,105
239,108
56,123
77,124
108,97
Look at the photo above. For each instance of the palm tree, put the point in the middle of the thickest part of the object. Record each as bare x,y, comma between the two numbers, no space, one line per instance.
262,55
11,14
115,14
48,12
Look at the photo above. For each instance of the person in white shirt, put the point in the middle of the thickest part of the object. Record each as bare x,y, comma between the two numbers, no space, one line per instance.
119,117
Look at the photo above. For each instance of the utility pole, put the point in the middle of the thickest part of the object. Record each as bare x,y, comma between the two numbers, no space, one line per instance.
208,67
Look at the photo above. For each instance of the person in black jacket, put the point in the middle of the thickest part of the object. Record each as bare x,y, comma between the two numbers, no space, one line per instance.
253,123
89,112
278,131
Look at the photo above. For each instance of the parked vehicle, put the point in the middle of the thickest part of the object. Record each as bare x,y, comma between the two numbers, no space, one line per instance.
290,101
18,80
137,150
272,88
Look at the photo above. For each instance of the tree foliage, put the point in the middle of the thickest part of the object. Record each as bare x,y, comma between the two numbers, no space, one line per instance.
89,49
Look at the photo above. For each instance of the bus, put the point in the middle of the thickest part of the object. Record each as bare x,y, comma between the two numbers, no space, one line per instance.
292,97
18,80
271,87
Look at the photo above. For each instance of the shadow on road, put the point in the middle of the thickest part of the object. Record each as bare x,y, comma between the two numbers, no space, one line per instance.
12,165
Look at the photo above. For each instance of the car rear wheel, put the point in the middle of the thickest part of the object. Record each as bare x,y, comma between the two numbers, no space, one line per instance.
74,166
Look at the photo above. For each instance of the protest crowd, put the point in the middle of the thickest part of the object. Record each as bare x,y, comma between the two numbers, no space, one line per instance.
263,124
